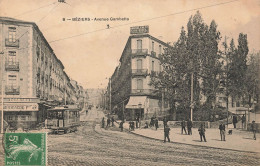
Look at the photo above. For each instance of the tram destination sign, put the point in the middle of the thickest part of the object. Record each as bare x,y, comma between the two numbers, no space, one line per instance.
139,29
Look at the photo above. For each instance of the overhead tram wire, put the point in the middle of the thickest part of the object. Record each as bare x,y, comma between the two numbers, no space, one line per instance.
208,6
30,11
36,22
98,30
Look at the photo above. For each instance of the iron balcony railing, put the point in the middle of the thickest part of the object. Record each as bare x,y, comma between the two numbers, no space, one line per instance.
9,43
148,92
139,51
139,72
12,90
12,66
153,54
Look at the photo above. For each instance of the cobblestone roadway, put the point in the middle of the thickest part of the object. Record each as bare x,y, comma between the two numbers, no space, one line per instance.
94,146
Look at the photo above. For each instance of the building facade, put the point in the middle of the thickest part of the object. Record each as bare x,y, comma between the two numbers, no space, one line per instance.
131,92
33,77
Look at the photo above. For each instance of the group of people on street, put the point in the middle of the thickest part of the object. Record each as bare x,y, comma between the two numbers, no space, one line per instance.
109,122
154,122
189,126
202,131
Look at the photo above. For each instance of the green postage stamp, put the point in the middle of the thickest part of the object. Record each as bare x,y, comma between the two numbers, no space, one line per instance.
25,148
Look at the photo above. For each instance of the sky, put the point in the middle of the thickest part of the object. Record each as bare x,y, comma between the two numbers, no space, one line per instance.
90,52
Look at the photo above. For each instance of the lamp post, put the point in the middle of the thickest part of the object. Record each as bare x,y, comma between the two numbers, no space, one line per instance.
140,116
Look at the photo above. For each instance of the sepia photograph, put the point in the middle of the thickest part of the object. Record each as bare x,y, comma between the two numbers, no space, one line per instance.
129,82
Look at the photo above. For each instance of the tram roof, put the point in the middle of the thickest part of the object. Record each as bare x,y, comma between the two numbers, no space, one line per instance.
67,107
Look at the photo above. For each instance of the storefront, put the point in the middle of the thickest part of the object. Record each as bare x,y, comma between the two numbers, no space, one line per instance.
21,112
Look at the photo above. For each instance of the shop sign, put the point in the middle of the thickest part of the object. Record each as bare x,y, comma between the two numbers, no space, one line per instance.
139,29
20,107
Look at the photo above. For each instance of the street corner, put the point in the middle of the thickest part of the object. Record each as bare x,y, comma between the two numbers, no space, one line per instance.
25,148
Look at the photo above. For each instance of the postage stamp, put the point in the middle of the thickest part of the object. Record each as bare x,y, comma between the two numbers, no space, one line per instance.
25,149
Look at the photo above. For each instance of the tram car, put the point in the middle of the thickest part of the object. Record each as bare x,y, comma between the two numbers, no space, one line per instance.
63,119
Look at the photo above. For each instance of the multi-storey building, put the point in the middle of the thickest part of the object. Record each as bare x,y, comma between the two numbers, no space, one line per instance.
130,83
34,78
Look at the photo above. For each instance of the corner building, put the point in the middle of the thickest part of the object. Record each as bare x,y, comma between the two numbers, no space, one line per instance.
132,95
34,78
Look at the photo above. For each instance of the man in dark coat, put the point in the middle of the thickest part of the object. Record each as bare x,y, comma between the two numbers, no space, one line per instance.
189,126
121,126
167,133
235,121
254,128
164,122
183,125
137,122
103,122
108,122
202,132
222,131
156,123
112,120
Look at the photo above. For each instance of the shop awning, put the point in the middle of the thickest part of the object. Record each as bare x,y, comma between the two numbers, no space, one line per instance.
136,102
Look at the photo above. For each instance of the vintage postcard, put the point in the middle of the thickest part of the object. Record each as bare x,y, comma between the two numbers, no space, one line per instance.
120,82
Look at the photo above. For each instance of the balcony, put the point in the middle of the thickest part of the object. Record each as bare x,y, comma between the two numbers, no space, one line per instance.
144,92
11,43
12,90
139,72
153,54
139,52
11,66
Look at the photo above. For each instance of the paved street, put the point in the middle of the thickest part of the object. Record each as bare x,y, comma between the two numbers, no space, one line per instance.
92,145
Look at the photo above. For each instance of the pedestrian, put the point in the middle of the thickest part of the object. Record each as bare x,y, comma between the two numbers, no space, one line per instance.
164,122
130,126
103,122
189,126
254,129
167,133
146,125
137,121
133,125
156,123
112,120
222,132
235,121
152,122
108,122
183,125
243,121
202,132
121,124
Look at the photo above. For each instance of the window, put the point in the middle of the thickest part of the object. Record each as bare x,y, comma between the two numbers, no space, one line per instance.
160,49
152,65
11,34
139,44
11,56
23,117
139,64
139,84
152,46
12,80
10,117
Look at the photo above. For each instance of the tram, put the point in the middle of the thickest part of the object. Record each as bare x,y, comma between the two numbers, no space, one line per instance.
63,119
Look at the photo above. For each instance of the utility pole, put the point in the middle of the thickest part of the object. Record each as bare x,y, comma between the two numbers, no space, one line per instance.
2,92
163,101
191,97
110,95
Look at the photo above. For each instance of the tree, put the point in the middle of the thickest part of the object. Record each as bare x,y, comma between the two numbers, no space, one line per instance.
211,72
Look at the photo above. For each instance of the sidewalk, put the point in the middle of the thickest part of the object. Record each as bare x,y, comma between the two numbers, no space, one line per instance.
239,140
